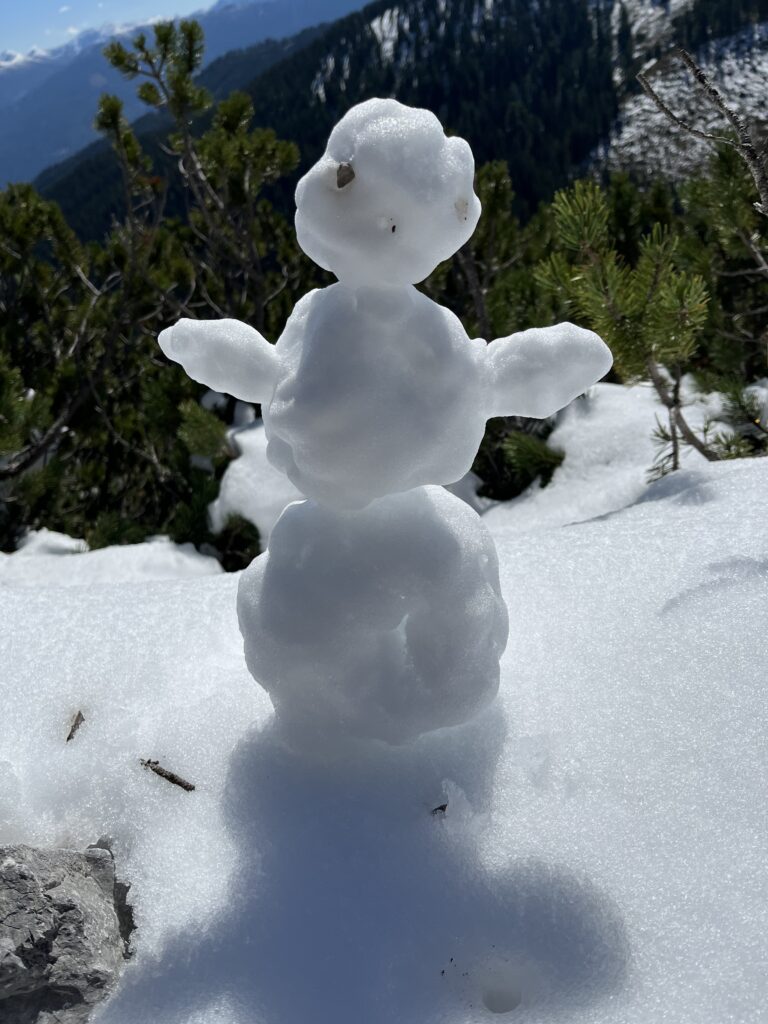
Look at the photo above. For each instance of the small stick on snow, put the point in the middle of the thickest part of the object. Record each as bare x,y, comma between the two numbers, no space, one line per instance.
157,768
440,809
77,721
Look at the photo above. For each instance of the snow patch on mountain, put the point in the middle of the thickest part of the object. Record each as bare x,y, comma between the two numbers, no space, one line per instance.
651,20
644,140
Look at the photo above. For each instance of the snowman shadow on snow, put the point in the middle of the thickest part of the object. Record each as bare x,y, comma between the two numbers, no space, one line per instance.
360,895
371,902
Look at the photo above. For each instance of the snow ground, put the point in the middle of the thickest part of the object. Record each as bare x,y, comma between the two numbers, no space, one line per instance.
251,486
46,558
602,855
607,438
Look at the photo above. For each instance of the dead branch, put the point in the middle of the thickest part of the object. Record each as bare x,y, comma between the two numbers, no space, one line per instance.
77,721
157,768
743,143
670,401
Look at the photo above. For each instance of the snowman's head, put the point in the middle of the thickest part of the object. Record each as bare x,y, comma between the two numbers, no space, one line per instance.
390,198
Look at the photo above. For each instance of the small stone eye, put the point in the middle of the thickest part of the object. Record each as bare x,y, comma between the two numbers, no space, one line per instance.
344,175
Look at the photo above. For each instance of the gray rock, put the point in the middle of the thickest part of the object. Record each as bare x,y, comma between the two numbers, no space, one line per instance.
61,946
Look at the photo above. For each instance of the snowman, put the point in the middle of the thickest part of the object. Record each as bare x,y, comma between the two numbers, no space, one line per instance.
376,612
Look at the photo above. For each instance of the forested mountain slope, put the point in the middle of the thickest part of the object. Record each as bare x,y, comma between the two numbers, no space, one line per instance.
550,88
531,85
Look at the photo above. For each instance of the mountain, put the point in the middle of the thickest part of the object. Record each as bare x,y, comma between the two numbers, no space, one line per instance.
548,87
528,83
22,73
48,99
95,164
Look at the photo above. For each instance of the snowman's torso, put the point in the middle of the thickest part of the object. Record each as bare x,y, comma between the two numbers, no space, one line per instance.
379,390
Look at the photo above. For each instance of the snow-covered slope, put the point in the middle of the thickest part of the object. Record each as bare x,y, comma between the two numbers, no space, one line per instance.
607,439
601,856
650,21
739,68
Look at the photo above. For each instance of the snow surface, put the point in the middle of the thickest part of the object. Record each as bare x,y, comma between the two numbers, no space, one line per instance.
251,486
602,856
384,624
47,558
607,439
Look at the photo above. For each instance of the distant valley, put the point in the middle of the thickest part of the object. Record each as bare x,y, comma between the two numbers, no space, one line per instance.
48,99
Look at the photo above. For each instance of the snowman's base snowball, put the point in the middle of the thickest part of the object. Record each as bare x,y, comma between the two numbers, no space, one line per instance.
382,624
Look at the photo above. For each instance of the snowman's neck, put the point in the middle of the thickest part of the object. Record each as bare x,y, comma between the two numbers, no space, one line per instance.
379,301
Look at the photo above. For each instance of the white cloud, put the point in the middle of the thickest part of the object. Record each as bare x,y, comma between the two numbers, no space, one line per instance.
64,9
72,31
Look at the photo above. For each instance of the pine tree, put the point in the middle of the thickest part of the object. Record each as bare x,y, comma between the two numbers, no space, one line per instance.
651,314
99,436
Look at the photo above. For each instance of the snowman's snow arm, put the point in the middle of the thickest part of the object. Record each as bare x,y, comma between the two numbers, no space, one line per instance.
536,372
225,355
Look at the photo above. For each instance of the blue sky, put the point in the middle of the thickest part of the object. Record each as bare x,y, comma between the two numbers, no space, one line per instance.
48,23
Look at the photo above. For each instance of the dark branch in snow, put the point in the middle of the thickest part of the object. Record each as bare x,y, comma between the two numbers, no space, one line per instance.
77,721
157,768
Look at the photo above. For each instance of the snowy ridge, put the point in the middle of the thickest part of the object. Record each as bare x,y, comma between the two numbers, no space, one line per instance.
739,68
9,59
60,55
50,559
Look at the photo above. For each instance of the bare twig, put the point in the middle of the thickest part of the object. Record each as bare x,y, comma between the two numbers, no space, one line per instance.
743,143
77,721
157,768
466,261
685,126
